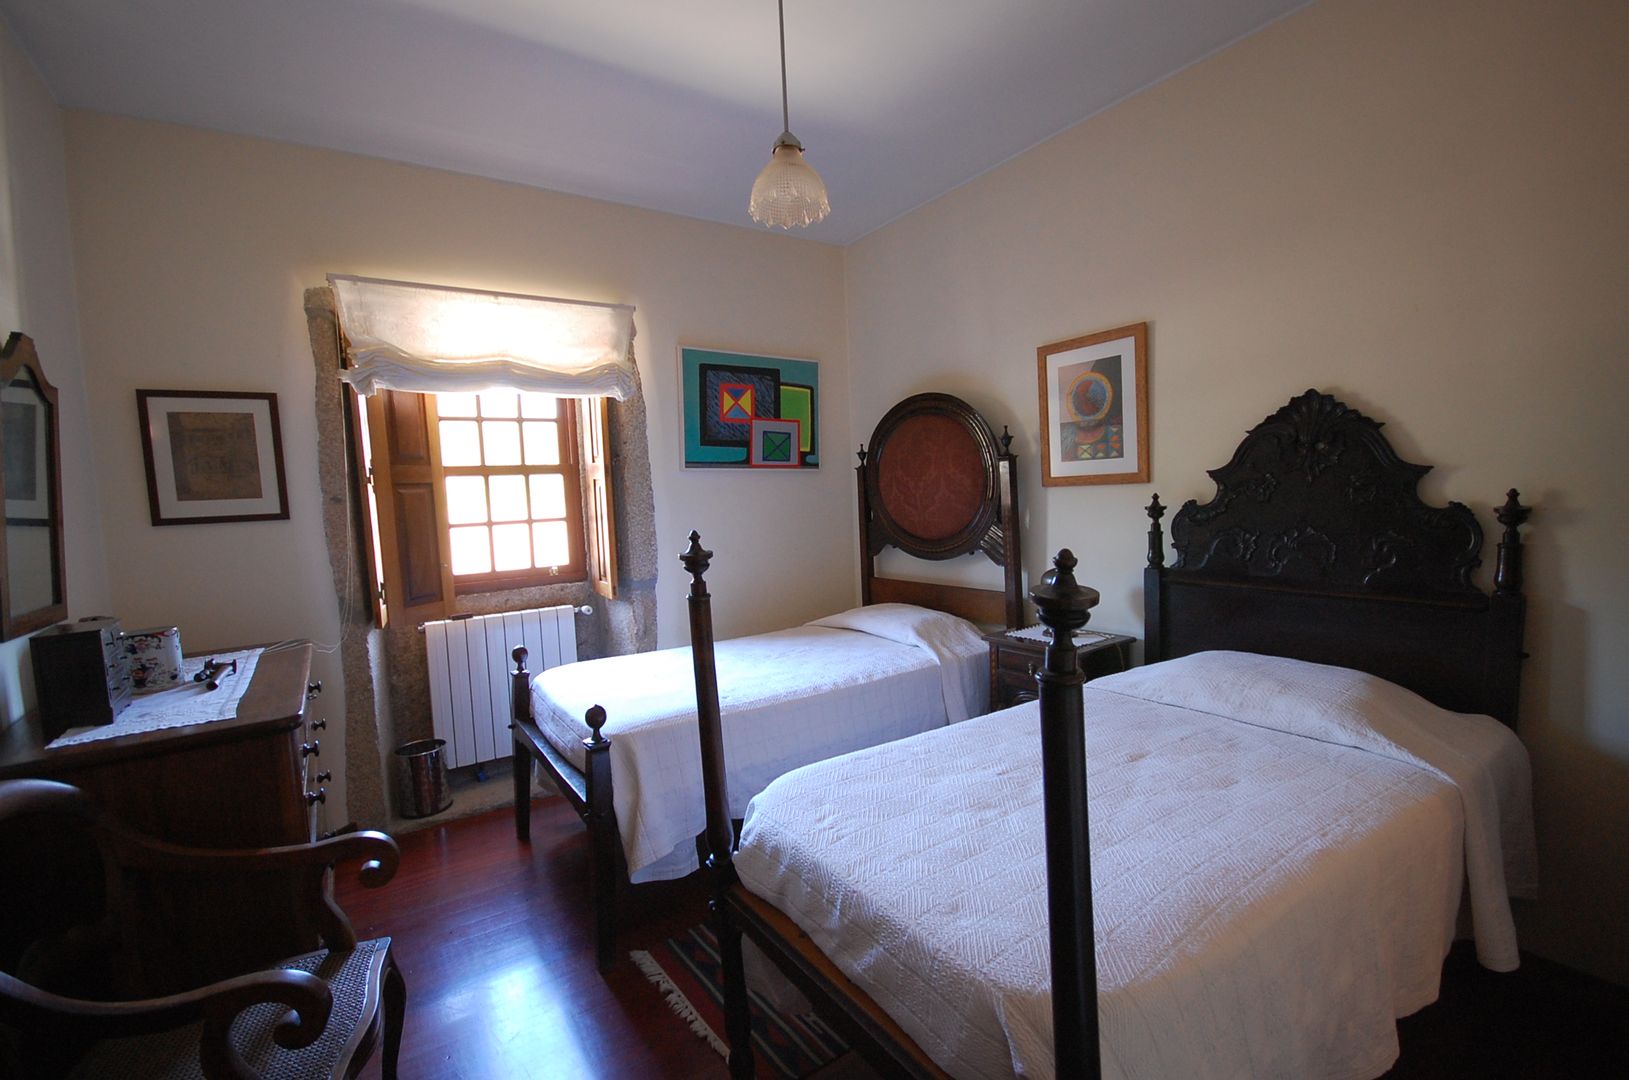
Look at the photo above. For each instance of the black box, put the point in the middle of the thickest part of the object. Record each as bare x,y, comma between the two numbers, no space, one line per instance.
81,675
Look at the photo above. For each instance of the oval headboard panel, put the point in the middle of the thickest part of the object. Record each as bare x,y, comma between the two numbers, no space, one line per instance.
937,482
931,477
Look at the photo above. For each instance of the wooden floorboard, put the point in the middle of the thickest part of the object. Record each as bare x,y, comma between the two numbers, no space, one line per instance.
493,938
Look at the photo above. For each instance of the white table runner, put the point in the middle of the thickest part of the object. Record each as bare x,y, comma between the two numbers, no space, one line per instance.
181,706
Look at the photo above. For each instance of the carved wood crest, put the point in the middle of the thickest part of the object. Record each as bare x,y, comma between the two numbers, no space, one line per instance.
1315,493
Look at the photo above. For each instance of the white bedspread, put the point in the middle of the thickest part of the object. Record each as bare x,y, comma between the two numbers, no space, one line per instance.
1266,903
788,698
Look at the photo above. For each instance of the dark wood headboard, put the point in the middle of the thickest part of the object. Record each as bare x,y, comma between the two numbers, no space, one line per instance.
936,483
1317,546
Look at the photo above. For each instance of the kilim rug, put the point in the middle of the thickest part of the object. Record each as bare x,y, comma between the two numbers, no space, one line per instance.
687,971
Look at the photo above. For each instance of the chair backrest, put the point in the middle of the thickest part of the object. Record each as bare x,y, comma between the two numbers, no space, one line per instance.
53,891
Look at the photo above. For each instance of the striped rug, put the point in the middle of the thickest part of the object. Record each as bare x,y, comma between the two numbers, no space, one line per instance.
687,971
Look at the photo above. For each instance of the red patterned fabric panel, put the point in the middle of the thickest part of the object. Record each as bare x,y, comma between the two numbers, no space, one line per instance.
931,477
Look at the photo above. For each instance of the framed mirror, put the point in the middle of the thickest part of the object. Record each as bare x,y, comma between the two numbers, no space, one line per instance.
32,591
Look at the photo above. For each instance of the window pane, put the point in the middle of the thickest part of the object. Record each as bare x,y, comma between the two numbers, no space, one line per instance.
550,544
502,441
512,547
455,404
535,406
509,498
466,500
542,442
548,496
471,550
503,404
460,442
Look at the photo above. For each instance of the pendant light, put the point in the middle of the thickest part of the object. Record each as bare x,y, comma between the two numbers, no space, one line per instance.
788,192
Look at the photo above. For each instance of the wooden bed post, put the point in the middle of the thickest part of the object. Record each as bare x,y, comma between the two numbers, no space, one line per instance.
1064,607
720,832
1012,557
1153,579
867,570
1507,609
603,837
520,710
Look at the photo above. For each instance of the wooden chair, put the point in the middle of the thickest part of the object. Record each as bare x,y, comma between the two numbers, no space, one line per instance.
65,981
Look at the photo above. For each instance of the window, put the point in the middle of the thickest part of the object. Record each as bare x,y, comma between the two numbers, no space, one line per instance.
480,492
510,487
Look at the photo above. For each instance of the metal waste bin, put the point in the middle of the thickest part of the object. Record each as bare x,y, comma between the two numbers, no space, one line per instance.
422,787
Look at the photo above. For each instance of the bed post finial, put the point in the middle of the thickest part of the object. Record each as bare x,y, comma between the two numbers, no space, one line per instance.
1156,536
595,718
1006,441
1064,606
696,560
1507,576
861,454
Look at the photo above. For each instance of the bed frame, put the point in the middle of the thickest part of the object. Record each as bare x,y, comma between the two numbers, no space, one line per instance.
937,483
1316,546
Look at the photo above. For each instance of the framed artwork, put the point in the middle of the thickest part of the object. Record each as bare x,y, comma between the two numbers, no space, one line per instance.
1094,408
212,455
744,411
25,425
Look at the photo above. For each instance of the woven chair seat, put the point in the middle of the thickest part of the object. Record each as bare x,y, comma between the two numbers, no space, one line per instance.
173,1055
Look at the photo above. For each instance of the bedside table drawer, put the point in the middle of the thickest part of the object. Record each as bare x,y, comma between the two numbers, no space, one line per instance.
1025,663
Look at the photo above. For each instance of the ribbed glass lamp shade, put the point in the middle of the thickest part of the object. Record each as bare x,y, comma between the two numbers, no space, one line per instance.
788,192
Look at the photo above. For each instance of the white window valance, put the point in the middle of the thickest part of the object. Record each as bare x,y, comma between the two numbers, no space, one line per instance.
433,339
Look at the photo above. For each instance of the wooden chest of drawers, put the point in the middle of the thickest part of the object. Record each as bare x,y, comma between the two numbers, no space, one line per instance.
252,781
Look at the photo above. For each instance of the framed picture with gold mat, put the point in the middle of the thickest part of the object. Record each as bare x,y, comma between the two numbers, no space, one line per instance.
1094,408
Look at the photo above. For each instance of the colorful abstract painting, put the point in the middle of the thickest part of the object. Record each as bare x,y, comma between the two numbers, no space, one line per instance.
744,411
1094,408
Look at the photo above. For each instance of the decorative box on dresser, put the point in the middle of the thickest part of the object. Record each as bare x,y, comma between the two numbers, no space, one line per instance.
1016,655
250,781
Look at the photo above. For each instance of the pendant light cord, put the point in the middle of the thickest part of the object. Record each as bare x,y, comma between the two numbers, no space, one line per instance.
786,116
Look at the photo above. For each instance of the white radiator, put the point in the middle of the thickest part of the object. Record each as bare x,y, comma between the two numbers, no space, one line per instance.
469,674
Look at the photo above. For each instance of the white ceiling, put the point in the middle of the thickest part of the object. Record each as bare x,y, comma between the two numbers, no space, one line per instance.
667,104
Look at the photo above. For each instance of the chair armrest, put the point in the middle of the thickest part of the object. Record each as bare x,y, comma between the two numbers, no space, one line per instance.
308,864
377,852
48,1018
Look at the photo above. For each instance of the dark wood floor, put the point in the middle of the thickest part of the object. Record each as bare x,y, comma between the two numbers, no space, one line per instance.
492,938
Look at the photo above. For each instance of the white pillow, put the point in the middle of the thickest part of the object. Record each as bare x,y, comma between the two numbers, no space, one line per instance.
906,624
950,640
1317,701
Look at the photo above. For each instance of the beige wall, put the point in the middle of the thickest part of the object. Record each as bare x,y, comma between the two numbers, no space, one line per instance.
1417,207
194,249
37,297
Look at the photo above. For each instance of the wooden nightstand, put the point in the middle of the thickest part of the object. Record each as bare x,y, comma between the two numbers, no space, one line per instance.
1014,661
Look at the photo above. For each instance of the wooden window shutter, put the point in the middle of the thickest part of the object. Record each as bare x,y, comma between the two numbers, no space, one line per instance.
406,476
368,501
600,519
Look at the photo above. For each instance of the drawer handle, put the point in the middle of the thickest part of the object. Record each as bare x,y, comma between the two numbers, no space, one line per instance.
319,725
324,776
1033,670
311,749
313,689
312,798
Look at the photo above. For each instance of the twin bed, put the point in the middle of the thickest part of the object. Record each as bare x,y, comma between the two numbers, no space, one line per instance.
617,735
1283,815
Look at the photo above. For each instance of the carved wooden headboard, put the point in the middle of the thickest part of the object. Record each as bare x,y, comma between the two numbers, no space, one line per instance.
936,483
1317,546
